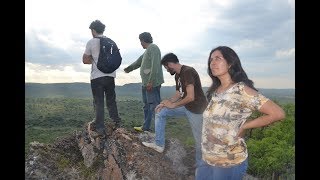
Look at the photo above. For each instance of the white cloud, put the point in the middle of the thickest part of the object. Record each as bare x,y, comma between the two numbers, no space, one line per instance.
247,44
292,3
274,82
289,53
57,31
44,74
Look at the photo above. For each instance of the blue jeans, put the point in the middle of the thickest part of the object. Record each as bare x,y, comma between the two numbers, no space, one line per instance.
208,172
195,121
150,100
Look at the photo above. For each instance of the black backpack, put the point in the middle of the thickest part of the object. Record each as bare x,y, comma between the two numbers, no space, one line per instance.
109,56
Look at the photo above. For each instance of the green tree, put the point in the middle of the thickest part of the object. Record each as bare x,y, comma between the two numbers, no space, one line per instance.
272,149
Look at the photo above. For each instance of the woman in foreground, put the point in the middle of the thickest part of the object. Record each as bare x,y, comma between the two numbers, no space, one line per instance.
232,99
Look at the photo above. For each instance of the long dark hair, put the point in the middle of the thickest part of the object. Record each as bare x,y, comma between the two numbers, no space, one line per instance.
236,71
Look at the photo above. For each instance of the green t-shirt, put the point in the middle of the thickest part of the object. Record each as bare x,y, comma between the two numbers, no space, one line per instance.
150,66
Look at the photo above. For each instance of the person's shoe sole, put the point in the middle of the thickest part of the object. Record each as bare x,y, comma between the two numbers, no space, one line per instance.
154,147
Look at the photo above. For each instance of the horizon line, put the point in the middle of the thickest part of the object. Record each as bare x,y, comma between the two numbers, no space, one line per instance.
131,83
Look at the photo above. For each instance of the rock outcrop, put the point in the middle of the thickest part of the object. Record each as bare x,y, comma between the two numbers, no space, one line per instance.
118,156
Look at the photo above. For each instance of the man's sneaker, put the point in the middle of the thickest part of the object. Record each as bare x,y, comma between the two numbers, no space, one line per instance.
138,129
117,124
94,132
154,146
147,130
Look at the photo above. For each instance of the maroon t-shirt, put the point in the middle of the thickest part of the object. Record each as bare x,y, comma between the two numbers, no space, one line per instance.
188,75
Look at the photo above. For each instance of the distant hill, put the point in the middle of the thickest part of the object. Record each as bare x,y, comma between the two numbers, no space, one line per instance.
83,90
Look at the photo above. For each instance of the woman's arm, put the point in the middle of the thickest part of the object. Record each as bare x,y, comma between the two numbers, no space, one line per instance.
270,110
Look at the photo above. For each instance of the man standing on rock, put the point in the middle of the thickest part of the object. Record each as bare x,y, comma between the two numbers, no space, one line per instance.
102,84
152,78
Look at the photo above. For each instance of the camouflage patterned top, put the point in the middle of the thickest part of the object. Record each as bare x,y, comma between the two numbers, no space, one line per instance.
222,119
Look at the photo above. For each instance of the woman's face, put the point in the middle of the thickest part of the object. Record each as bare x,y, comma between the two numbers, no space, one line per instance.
218,65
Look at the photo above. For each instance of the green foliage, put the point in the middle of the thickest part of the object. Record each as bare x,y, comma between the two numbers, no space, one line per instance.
272,149
57,112
45,135
180,128
86,172
63,162
131,90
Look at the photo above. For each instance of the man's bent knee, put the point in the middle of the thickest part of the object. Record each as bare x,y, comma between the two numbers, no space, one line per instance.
162,112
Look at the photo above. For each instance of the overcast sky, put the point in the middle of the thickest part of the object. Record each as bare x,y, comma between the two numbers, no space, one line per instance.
262,32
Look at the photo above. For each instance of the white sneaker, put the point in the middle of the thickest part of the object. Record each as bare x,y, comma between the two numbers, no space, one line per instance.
154,146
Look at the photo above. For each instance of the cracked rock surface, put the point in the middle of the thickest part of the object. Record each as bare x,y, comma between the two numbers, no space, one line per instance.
119,155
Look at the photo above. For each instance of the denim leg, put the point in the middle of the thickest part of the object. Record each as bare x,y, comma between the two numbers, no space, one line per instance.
238,172
145,104
195,121
98,100
207,172
204,172
160,122
150,99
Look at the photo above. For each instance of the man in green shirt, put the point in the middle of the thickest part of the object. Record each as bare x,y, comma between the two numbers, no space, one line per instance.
152,78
